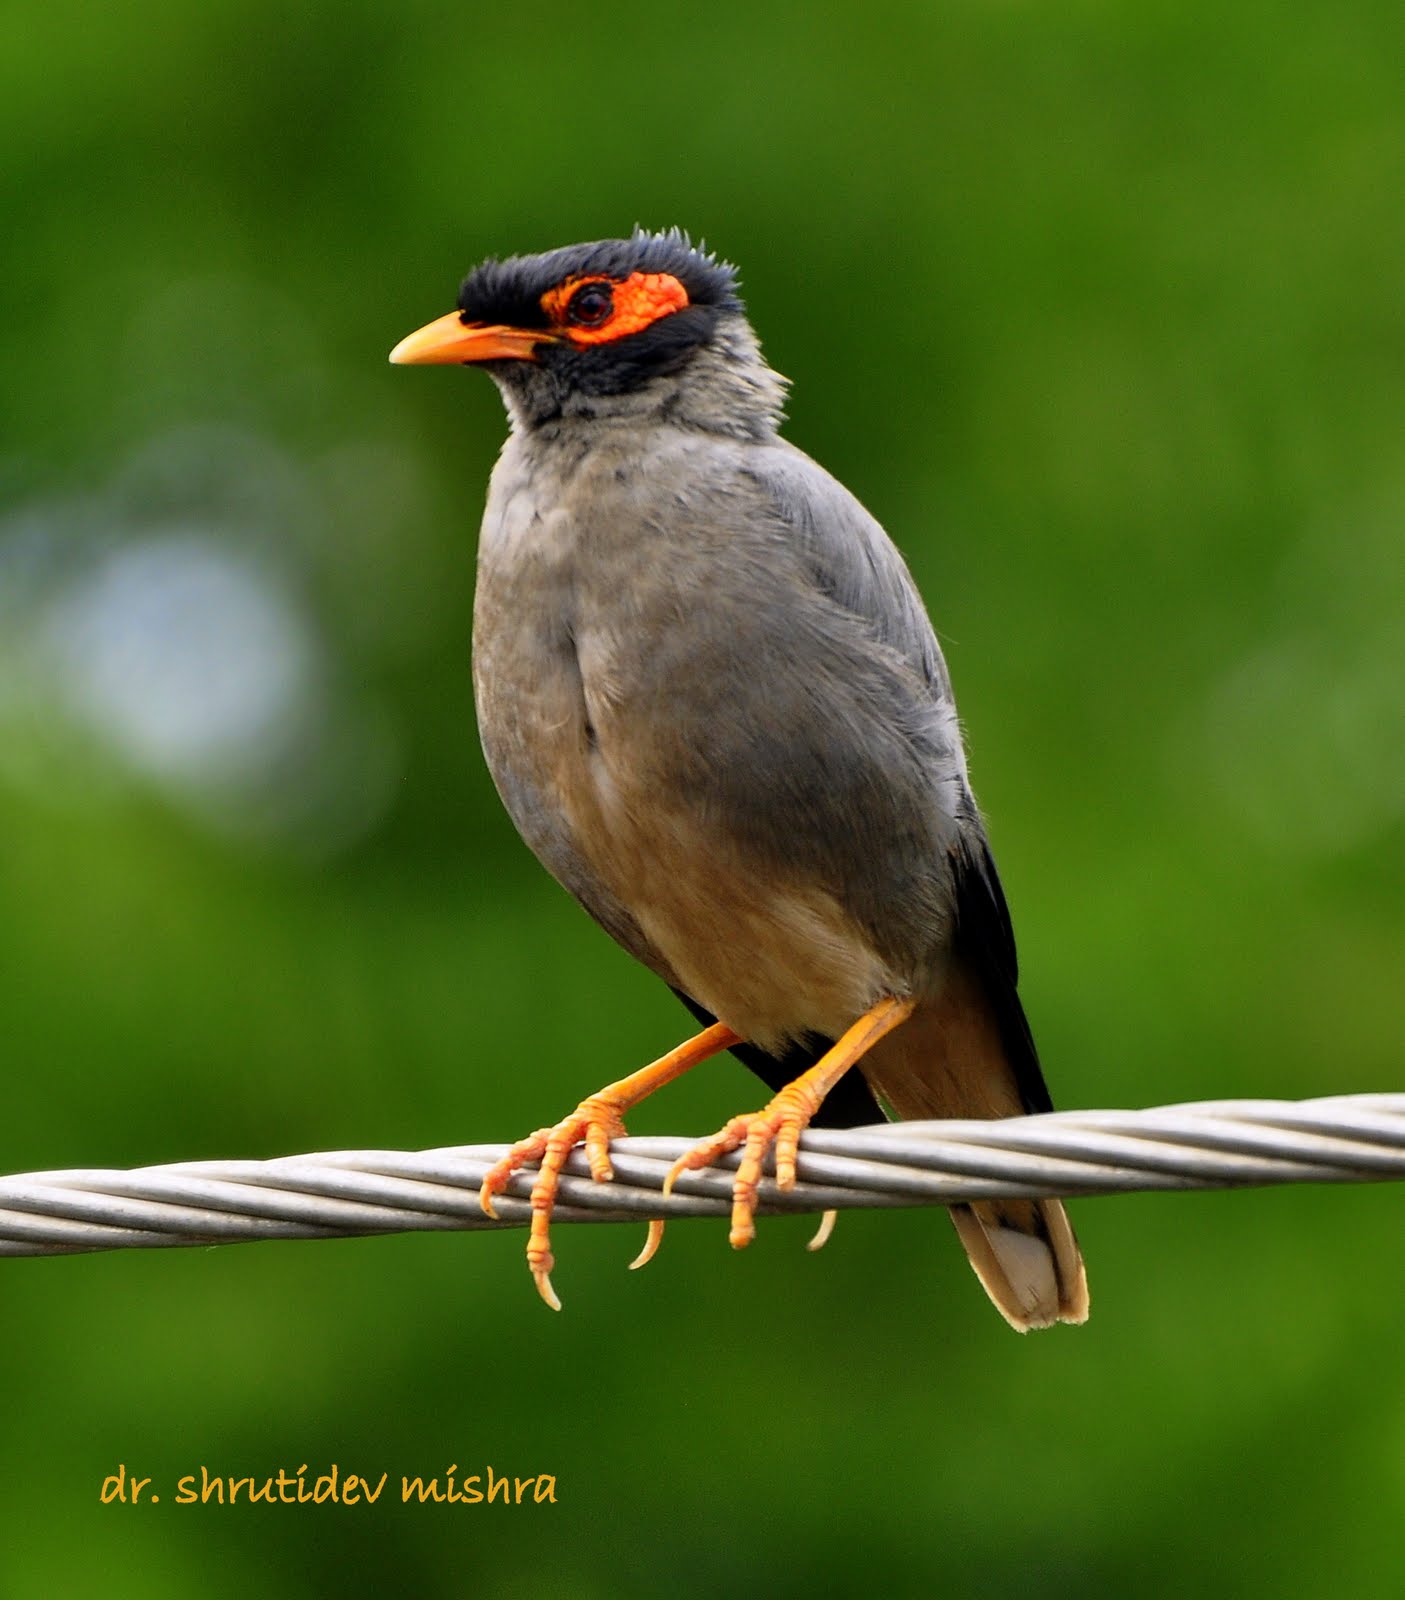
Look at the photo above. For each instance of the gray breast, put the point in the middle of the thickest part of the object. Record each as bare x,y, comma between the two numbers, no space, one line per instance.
714,708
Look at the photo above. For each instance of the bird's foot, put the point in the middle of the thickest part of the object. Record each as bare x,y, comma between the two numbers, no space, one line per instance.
595,1121
780,1124
783,1121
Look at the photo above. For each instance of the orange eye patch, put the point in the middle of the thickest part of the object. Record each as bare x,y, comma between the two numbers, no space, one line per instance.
594,310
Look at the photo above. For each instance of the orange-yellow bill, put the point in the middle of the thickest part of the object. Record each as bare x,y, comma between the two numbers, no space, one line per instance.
450,341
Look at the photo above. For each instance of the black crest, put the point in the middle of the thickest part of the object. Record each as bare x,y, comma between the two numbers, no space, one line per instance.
510,291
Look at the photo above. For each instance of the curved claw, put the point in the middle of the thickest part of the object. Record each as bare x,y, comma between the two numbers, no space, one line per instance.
651,1245
497,1177
542,1278
824,1230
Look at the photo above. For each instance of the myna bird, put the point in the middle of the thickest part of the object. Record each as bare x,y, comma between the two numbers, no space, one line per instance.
713,705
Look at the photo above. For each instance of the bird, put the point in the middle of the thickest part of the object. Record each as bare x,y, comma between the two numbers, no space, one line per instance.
714,706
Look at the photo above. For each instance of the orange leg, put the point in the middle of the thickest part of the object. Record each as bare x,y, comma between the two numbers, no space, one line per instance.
783,1121
594,1122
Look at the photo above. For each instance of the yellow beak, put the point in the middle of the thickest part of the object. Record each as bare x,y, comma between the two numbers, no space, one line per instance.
450,341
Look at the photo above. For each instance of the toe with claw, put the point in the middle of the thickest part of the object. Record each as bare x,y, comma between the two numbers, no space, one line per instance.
780,1124
593,1123
783,1121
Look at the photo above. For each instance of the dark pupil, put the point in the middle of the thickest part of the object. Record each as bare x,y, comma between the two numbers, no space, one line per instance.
591,304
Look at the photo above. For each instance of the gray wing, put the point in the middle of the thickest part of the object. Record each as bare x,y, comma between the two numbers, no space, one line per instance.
853,561
850,558
821,721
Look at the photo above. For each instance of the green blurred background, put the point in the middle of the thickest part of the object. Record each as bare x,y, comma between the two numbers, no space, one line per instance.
1100,309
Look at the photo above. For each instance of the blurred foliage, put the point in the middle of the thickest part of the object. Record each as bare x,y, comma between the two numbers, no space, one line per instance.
1099,309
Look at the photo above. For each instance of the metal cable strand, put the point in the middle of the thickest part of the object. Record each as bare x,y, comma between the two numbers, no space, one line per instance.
1218,1144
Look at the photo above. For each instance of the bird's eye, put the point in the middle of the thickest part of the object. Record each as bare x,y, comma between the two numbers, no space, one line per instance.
590,305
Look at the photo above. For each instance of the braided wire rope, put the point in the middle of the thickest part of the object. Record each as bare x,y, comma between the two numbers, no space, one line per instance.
1218,1144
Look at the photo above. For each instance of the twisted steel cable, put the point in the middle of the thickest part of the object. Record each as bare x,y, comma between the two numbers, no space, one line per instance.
1218,1144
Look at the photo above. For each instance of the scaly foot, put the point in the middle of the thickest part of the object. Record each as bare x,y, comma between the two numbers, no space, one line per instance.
780,1123
595,1121
783,1121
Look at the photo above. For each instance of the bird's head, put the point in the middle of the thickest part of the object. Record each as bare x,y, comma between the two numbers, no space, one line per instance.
618,328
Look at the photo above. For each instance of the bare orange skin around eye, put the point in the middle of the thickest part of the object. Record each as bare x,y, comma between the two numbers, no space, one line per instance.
640,299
